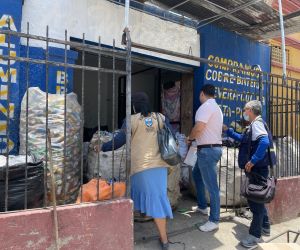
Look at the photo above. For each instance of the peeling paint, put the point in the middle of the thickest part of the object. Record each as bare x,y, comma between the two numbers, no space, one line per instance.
35,245
62,242
97,227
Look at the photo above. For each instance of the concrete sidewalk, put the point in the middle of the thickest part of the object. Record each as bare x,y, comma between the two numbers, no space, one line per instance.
183,229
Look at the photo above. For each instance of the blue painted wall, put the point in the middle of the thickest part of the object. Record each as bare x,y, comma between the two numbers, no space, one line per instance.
37,72
57,79
10,10
239,87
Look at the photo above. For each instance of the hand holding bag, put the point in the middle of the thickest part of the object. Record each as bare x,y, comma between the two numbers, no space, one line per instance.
167,144
191,157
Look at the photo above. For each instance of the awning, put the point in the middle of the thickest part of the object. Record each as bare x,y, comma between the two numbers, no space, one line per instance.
257,19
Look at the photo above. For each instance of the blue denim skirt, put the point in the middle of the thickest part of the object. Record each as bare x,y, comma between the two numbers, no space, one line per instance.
149,193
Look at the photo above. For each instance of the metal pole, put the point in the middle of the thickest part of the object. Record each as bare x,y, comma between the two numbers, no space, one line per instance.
282,42
53,191
128,111
127,4
126,40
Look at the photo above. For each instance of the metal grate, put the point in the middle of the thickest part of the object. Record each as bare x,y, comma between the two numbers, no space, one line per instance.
281,102
28,62
277,55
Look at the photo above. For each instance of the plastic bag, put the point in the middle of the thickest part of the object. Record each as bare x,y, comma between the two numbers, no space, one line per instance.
17,182
182,145
106,165
89,191
70,171
167,144
191,157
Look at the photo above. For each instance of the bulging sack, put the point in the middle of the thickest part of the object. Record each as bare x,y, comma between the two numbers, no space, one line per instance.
18,182
105,191
66,166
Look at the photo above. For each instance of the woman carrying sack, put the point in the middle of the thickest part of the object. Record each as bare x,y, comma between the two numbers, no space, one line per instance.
254,157
148,169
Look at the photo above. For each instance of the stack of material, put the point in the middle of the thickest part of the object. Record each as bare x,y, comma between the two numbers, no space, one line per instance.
107,165
17,182
66,171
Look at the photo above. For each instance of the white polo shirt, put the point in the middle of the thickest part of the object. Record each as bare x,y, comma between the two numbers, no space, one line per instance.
211,114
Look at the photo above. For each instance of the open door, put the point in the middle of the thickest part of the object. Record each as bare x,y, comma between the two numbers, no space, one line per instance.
187,94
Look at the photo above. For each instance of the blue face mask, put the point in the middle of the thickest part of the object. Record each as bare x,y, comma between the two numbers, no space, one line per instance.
246,117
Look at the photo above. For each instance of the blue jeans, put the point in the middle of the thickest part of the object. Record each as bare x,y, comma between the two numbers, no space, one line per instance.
260,214
205,177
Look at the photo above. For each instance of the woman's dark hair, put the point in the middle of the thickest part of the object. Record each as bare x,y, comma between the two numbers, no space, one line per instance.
140,104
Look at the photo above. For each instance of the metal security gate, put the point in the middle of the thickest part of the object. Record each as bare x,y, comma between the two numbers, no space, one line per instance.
284,115
57,116
235,87
280,100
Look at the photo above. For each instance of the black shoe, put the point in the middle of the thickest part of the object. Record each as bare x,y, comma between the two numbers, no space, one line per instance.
266,231
164,246
138,217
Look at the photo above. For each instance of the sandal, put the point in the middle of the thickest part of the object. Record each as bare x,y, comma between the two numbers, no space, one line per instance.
164,246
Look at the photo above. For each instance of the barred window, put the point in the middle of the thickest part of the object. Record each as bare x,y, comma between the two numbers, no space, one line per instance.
277,54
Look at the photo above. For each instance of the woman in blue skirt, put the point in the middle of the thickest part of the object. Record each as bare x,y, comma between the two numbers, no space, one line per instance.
148,170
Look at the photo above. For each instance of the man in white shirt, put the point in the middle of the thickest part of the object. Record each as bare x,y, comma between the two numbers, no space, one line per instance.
208,134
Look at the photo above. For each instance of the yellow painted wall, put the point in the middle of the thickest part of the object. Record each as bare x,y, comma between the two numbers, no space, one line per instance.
294,59
285,97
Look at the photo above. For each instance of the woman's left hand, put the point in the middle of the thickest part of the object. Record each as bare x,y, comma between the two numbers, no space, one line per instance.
249,166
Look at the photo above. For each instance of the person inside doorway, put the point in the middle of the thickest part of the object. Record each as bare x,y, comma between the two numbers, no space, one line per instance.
208,134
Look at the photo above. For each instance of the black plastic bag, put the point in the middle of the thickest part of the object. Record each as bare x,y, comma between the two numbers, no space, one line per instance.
17,184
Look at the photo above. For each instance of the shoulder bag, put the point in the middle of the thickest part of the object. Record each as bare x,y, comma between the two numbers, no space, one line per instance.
167,144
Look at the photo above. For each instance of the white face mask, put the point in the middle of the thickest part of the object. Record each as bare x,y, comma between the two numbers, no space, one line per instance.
246,117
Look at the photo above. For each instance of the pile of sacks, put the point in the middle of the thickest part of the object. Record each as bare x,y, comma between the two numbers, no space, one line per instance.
288,156
64,169
106,164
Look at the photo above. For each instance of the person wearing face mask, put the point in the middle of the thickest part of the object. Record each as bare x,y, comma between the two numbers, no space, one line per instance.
253,157
208,134
149,173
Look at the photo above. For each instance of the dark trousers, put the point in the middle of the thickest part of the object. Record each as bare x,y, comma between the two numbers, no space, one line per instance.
260,214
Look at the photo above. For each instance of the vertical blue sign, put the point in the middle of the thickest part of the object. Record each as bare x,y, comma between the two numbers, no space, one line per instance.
10,18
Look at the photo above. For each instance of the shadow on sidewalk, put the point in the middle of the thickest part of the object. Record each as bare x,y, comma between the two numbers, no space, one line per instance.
183,229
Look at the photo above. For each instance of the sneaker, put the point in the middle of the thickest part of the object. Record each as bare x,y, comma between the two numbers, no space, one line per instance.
266,231
250,241
202,211
209,227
